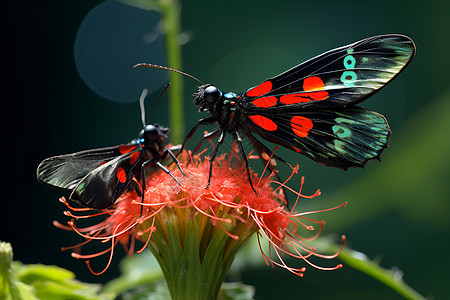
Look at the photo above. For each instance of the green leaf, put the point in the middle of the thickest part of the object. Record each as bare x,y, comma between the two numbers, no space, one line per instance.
150,291
52,282
236,291
29,282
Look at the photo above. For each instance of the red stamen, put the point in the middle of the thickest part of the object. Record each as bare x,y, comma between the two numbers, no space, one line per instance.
151,229
138,184
317,211
69,214
294,171
208,215
229,234
64,201
61,226
72,225
267,164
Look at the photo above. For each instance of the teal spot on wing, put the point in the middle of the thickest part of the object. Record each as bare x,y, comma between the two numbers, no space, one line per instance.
341,131
81,187
340,146
345,120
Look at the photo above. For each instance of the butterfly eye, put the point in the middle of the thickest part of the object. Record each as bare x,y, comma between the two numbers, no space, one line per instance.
150,133
212,94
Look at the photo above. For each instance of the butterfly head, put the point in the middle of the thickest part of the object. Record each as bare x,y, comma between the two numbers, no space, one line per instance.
154,134
206,97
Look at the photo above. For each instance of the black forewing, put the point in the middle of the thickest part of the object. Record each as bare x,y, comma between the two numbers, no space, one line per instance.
66,171
351,73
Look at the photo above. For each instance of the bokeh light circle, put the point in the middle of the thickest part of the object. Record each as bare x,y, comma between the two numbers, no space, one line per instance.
112,38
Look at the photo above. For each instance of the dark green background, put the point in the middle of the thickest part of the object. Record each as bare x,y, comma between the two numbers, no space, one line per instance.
48,110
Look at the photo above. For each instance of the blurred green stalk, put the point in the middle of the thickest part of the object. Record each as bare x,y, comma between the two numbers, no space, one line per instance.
359,261
171,15
170,25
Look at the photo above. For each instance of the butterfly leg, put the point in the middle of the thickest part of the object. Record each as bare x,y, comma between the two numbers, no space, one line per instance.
174,159
152,161
204,121
207,136
265,154
161,166
213,157
244,157
142,185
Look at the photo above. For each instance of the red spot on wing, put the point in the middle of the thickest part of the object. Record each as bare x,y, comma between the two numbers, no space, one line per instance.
294,98
313,83
134,157
296,149
320,95
303,97
260,90
301,126
265,102
121,175
264,122
126,148
103,162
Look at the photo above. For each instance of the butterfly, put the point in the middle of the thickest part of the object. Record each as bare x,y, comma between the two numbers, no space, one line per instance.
312,108
98,177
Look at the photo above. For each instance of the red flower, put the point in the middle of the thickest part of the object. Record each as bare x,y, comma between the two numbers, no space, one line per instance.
222,217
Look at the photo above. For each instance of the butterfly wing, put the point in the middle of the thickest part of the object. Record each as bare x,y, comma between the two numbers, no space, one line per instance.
346,75
89,173
342,137
101,187
310,108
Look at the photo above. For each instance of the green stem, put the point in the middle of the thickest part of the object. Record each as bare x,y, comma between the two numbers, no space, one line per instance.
361,262
171,14
171,11
190,271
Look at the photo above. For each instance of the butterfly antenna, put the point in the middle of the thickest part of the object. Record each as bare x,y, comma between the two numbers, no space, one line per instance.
160,96
141,104
166,68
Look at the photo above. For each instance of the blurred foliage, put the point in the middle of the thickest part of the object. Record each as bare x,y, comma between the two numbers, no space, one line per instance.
136,270
32,282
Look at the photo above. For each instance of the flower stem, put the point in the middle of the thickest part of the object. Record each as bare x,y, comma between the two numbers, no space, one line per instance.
194,262
360,262
171,14
170,11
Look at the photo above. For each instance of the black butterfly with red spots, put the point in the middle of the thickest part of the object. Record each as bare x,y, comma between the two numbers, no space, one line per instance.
311,108
98,177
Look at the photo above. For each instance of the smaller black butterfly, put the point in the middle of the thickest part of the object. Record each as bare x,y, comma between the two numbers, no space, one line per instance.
98,177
